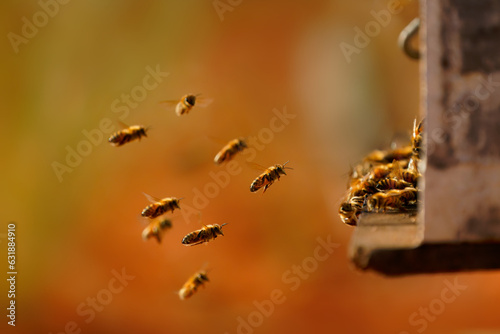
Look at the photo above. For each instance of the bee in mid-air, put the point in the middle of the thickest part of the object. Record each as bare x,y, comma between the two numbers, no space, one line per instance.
202,235
192,284
229,151
186,103
156,228
160,206
127,135
267,178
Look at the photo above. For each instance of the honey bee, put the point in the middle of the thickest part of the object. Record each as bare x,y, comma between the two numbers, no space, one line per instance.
350,218
401,153
363,186
192,284
267,178
392,199
393,183
156,228
160,206
416,139
228,151
203,235
411,174
350,210
186,103
127,135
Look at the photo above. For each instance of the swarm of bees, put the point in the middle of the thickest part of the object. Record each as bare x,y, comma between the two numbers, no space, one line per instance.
385,181
158,209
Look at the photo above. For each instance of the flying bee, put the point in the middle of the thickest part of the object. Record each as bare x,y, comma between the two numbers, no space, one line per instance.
127,135
186,103
230,150
156,229
202,235
192,284
267,178
160,206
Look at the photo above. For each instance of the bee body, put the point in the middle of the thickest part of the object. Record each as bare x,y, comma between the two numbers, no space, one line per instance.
158,208
416,139
127,135
267,178
185,105
392,199
156,229
205,234
230,150
192,285
392,183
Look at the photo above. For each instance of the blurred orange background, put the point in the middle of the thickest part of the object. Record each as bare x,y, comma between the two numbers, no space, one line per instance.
253,58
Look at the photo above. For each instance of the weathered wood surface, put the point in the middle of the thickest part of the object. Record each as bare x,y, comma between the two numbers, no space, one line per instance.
458,227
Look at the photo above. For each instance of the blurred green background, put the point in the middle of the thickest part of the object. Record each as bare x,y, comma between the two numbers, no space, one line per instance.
256,56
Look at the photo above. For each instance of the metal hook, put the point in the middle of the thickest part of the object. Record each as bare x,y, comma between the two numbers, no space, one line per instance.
406,35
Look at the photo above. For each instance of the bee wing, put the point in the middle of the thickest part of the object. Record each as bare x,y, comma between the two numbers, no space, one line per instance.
203,101
217,140
169,104
152,199
256,166
123,125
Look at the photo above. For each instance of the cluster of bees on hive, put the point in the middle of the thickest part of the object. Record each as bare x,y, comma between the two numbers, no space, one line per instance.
157,210
385,181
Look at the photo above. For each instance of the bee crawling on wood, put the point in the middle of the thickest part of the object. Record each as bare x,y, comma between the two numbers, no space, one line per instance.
160,206
205,234
393,199
416,139
127,135
393,183
192,284
267,178
230,150
350,210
